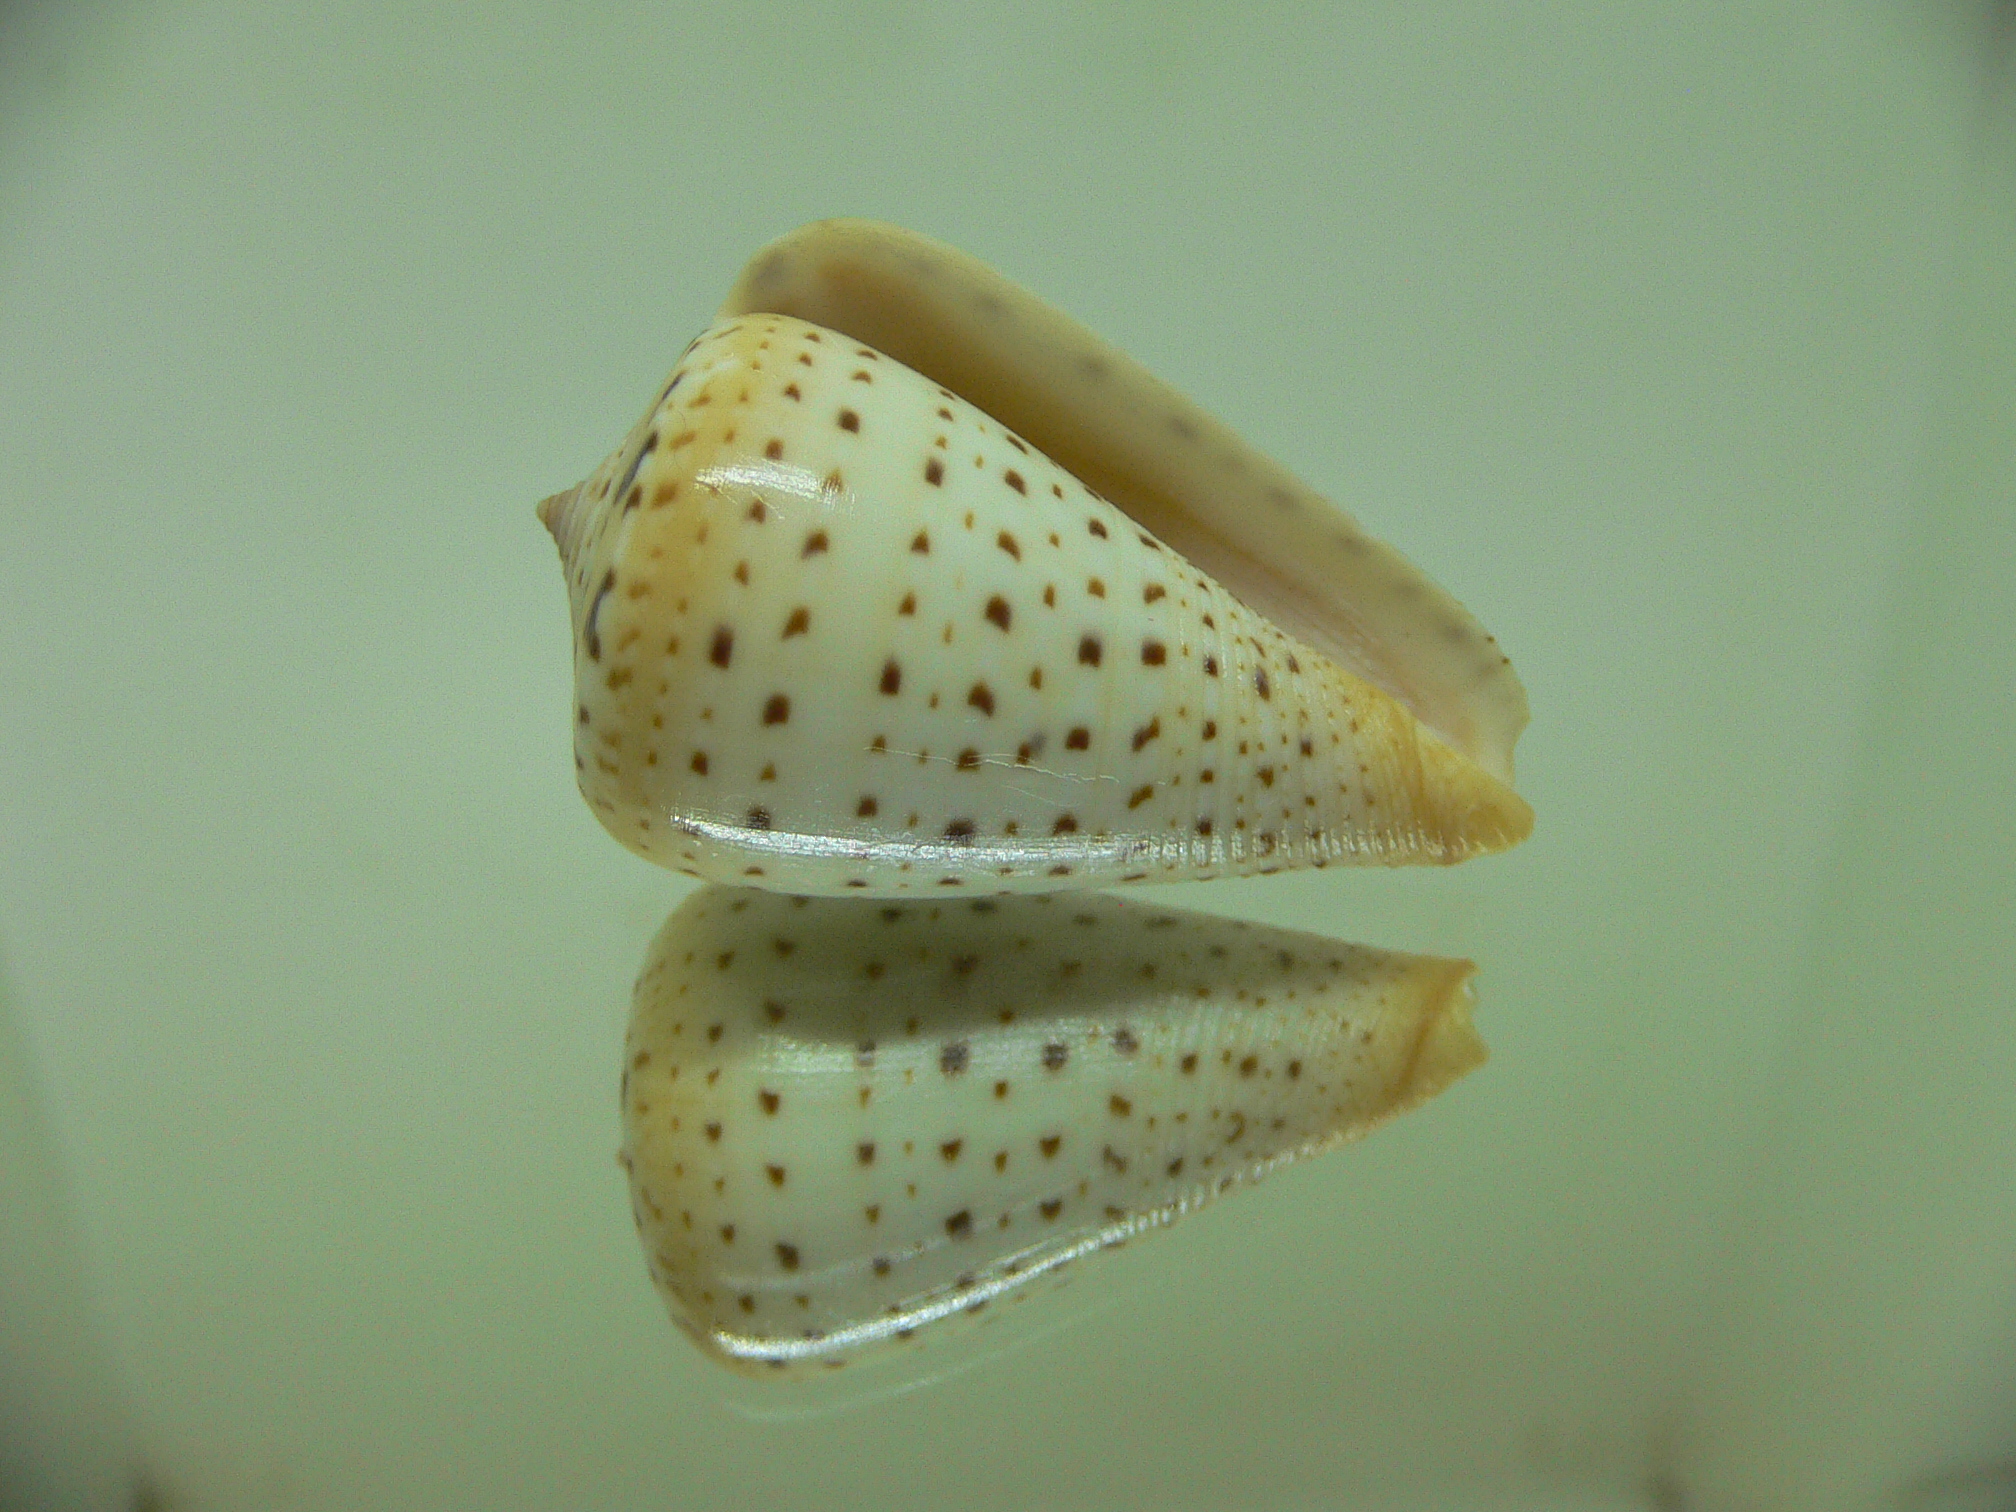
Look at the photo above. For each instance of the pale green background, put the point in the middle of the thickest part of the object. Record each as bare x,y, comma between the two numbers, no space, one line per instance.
1662,334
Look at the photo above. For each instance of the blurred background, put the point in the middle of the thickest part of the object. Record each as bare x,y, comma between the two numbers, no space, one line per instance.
1676,339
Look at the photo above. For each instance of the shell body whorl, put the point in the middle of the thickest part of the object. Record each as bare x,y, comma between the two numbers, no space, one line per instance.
837,630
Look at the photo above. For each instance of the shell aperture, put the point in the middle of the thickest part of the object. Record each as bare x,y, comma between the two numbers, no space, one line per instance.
838,629
1292,555
845,1120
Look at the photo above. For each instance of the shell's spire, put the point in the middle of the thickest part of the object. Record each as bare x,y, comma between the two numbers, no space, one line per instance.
838,629
562,515
846,1120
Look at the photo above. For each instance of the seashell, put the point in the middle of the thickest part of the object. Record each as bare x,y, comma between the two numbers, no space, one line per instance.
933,588
845,1120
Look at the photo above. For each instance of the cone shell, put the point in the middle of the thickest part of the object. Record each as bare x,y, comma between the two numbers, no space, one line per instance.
838,629
844,1120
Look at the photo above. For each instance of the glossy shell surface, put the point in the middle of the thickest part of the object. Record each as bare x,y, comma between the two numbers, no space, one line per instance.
841,631
840,628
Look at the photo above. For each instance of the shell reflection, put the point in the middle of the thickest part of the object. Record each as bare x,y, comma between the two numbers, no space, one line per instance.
846,1120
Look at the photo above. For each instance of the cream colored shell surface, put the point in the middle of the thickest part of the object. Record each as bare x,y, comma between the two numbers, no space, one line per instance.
838,630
